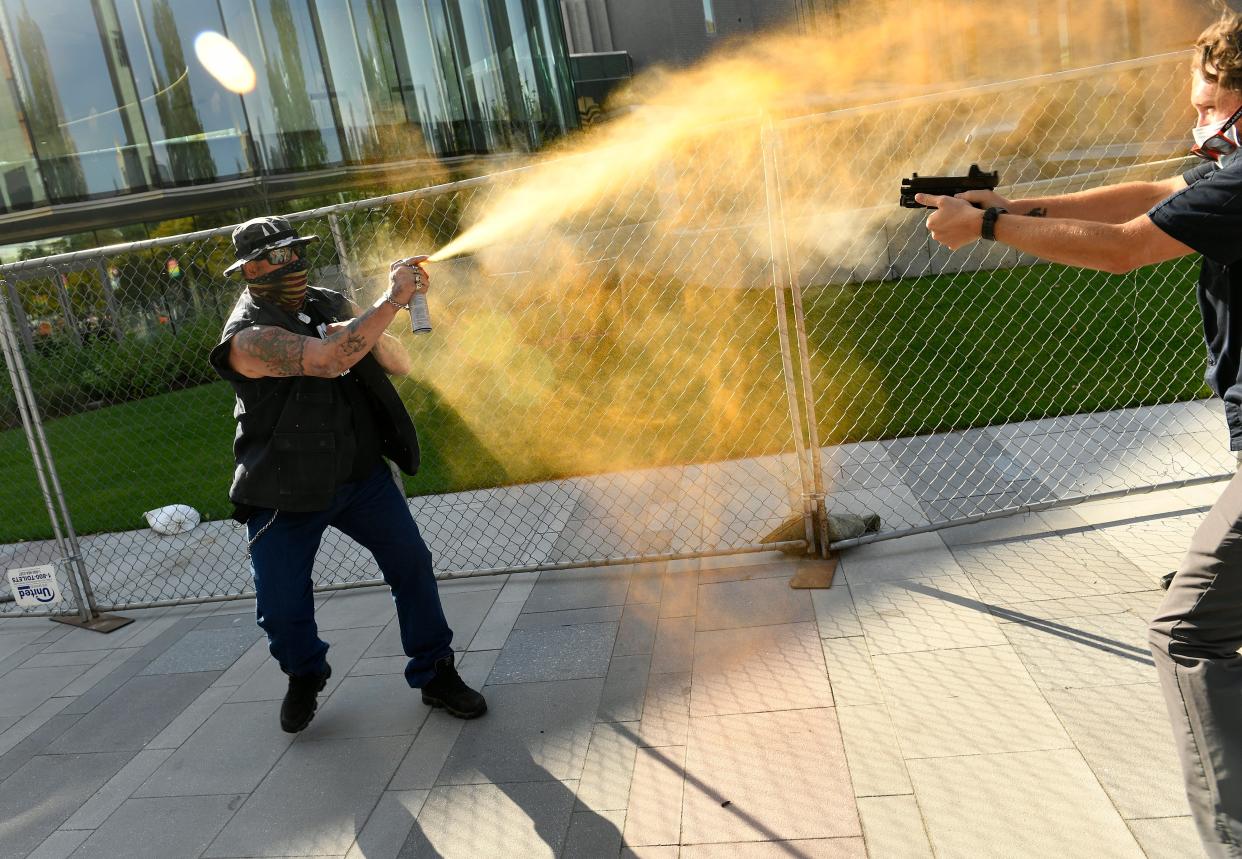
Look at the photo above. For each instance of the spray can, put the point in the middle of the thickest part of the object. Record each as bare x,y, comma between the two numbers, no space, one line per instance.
420,317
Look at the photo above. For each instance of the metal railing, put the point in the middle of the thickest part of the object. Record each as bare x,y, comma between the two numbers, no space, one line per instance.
712,357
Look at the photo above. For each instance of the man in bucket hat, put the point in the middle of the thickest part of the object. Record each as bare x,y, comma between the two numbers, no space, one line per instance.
316,418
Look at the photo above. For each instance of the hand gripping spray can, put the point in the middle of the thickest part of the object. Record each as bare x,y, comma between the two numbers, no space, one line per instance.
420,317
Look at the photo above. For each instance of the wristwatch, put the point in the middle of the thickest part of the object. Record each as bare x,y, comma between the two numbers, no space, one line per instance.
988,230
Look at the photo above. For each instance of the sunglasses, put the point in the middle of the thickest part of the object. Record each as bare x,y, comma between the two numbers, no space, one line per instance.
279,256
1218,145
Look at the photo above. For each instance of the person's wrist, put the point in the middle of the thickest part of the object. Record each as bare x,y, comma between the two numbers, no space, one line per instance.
393,297
987,222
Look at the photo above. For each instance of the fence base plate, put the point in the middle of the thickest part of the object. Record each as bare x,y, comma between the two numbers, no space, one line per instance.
98,623
815,573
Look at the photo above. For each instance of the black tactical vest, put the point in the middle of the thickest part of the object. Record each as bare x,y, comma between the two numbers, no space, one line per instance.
294,445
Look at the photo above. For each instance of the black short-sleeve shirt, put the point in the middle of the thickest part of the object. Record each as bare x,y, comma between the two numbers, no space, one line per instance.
1207,216
350,388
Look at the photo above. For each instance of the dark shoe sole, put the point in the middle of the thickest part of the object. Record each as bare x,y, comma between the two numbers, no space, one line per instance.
295,729
453,711
289,728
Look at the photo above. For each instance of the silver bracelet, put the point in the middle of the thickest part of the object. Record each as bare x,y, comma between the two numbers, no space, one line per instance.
388,298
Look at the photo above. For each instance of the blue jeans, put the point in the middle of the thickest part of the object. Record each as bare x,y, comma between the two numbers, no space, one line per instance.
372,512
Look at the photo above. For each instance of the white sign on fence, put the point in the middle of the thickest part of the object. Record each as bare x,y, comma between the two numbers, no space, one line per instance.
34,586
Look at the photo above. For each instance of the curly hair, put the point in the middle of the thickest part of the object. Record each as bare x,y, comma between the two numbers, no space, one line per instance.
1218,53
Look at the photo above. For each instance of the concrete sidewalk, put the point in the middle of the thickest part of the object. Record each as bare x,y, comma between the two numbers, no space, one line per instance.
981,692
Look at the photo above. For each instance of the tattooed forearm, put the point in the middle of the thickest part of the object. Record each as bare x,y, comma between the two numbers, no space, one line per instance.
353,342
1037,212
277,351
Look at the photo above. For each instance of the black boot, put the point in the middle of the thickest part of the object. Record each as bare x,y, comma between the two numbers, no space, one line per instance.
449,691
300,701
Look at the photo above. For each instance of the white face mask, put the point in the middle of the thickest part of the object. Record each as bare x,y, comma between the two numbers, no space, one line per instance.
1203,132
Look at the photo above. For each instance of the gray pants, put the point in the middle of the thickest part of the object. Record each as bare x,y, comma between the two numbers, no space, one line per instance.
1195,639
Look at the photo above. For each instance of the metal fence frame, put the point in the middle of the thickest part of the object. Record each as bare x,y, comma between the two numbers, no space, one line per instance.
796,357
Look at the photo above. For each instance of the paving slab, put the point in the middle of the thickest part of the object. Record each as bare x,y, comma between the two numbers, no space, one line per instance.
923,613
655,802
60,844
1084,651
230,753
758,669
205,650
314,801
625,689
389,825
160,828
532,732
851,675
586,588
1168,837
593,834
751,602
268,683
521,819
119,788
962,702
1123,733
835,612
134,714
637,632
749,778
1045,803
24,689
464,611
893,826
1072,564
356,607
876,764
674,645
919,555
26,726
382,705
609,766
666,710
41,795
555,653
494,631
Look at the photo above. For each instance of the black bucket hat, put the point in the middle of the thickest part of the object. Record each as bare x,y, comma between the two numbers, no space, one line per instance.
259,235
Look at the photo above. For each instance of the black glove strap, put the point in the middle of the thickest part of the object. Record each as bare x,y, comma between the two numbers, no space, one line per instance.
990,215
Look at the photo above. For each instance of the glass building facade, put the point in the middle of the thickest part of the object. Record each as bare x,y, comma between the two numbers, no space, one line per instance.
101,98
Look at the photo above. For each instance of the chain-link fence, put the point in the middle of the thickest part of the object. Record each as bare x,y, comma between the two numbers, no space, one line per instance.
716,351
958,385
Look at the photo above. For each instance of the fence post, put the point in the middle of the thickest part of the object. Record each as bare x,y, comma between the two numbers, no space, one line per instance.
338,241
19,312
49,483
776,209
60,283
114,314
16,376
778,252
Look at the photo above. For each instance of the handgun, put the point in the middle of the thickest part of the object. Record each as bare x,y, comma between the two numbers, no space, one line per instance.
975,180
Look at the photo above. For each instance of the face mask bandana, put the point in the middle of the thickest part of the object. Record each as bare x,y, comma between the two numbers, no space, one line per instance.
285,287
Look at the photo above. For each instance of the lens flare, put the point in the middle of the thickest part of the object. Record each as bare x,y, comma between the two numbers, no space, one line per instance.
224,62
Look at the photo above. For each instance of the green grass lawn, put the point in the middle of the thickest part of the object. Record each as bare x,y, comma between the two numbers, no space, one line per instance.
656,375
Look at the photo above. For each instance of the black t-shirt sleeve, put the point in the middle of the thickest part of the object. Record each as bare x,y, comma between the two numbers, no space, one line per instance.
1200,171
1206,216
219,356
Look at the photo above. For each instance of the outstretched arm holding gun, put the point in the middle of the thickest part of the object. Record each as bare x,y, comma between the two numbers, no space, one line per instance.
1105,228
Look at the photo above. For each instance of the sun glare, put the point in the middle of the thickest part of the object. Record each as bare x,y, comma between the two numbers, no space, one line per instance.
225,62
